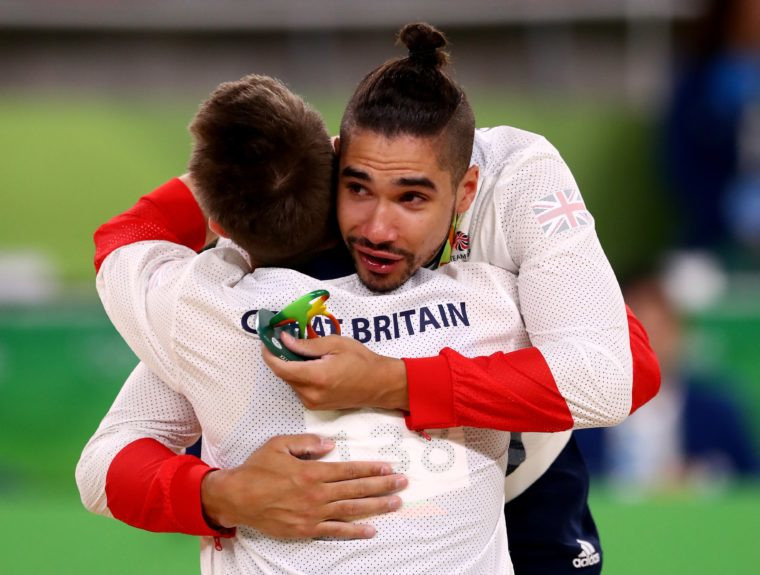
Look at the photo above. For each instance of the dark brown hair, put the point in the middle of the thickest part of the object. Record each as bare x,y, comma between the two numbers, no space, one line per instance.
262,163
415,96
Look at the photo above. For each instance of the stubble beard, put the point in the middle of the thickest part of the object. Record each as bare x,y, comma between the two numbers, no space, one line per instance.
379,283
383,284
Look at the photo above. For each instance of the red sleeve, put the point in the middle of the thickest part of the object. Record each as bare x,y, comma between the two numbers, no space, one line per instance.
646,368
511,391
169,213
151,487
147,485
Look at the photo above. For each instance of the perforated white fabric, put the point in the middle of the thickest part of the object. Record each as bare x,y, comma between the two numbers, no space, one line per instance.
145,408
189,318
569,299
529,218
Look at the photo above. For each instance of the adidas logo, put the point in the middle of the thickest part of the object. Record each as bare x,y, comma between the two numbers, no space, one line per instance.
588,555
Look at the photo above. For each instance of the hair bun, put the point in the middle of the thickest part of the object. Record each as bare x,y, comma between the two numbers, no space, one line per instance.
424,43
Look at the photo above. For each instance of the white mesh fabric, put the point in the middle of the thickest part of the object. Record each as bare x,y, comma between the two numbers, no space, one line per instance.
145,407
184,316
569,298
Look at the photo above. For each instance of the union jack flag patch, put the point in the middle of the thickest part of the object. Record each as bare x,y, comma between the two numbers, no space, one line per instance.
561,211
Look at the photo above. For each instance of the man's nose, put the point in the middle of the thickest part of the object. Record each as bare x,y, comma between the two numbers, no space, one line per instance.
381,225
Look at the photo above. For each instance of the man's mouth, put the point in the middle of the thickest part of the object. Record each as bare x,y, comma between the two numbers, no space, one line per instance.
378,262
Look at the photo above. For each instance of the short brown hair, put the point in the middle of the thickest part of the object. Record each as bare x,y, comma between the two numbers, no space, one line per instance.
415,96
262,165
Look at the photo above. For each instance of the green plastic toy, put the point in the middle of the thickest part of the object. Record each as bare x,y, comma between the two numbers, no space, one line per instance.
295,318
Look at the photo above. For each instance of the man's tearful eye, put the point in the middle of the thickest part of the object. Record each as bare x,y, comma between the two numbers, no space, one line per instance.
413,198
356,189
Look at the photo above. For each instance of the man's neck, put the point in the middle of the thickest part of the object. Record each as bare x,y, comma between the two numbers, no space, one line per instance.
328,263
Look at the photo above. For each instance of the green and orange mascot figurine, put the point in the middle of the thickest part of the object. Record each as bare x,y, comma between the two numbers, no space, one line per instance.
296,319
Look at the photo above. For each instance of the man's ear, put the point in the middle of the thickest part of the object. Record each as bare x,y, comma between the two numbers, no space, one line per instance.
215,227
467,188
336,144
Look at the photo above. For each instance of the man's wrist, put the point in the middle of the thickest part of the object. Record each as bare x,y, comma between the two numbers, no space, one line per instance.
211,503
395,394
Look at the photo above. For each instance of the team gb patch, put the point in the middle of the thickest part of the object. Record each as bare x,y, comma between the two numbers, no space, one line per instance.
561,211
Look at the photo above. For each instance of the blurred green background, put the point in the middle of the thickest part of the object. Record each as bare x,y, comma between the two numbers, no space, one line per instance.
73,154
61,363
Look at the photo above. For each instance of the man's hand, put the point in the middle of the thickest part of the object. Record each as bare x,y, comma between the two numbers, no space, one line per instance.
278,492
344,375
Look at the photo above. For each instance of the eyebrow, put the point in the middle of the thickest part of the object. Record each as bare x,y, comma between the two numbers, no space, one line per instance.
350,172
406,181
418,182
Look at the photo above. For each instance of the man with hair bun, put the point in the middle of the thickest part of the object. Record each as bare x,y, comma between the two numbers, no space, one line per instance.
411,195
590,363
188,317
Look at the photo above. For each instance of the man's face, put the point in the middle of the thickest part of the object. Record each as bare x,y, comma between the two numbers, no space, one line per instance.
395,205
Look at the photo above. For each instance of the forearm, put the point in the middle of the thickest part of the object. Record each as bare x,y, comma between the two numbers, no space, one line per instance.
590,365
516,391
150,487
140,256
508,391
132,469
169,213
645,365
